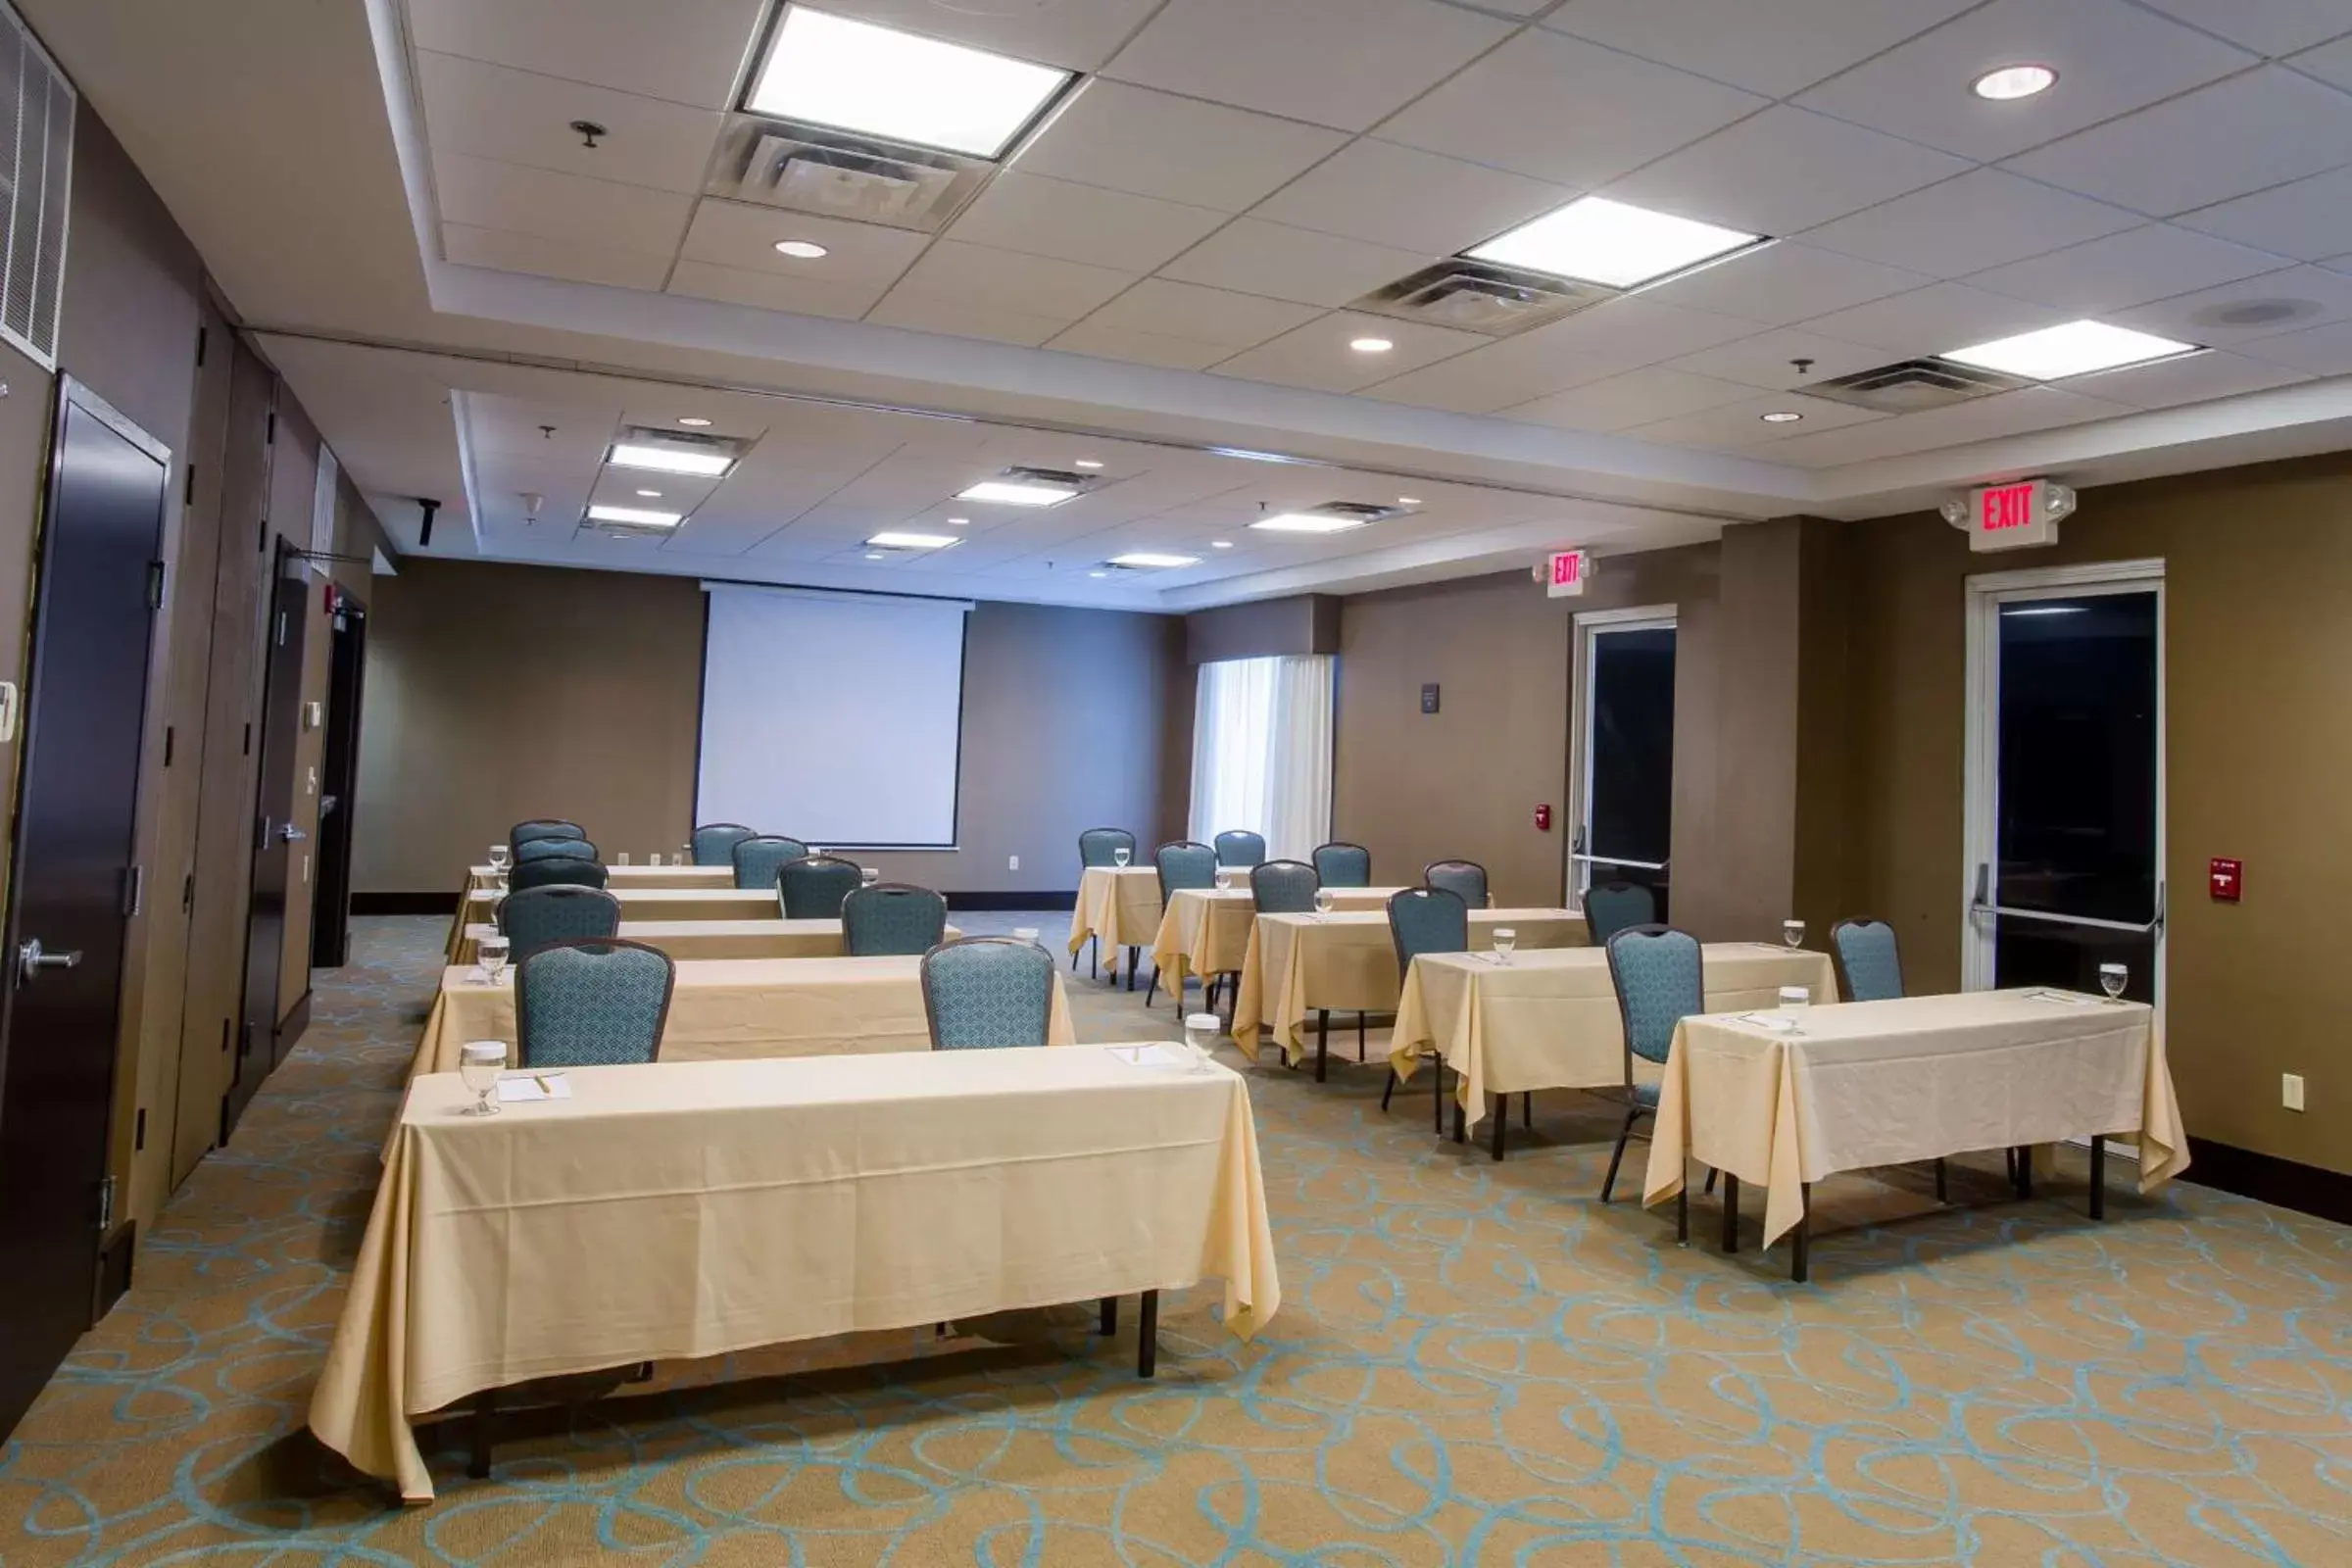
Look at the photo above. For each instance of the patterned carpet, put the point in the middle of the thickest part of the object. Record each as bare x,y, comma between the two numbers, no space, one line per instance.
1474,1364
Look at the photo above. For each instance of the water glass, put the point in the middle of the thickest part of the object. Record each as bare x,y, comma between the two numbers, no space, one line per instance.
1505,939
1795,999
1224,880
501,857
622,859
1201,1031
479,1064
685,856
492,952
868,876
1792,932
1120,857
1025,932
2112,978
1323,901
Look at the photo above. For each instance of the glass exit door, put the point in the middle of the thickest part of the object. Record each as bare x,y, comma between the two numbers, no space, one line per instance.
1625,749
2066,778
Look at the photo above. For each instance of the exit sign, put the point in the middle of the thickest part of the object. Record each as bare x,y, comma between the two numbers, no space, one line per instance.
1571,570
2012,516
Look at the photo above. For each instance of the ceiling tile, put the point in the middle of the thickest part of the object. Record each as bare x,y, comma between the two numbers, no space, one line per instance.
1984,218
2250,309
1010,280
2319,350
2262,129
1318,354
769,291
2033,408
2330,63
1139,348
687,51
2111,58
1767,358
1343,63
1774,47
1785,282
1073,222
496,111
1410,200
2268,26
2149,262
1564,110
1076,37
1935,320
1733,426
740,235
960,315
2309,219
1163,307
1178,149
484,193
1785,170
1605,340
508,252
1291,264
1620,402
2202,377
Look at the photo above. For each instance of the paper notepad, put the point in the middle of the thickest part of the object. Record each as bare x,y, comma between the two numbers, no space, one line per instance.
1780,1023
524,1087
2062,998
1147,1055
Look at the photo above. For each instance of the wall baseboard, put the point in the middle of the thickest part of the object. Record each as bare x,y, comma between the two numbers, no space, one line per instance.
2305,1188
291,1028
1067,900
447,903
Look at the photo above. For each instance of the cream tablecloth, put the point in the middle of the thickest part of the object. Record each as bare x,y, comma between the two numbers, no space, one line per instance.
644,876
663,904
1206,930
717,939
734,1007
1118,903
1881,1082
1550,1019
697,1208
1299,964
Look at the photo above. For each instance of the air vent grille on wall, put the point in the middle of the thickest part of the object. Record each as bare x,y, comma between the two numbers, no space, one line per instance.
1914,386
36,157
1481,297
810,169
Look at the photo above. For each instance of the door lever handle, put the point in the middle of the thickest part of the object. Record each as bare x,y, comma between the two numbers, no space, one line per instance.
32,960
292,834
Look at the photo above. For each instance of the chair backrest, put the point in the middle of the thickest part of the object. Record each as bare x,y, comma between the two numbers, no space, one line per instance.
986,992
591,1003
1464,879
714,842
1866,952
1184,864
1099,846
561,912
1427,920
1343,865
813,886
1240,846
1660,980
541,827
892,917
1284,887
553,870
531,849
760,856
1613,907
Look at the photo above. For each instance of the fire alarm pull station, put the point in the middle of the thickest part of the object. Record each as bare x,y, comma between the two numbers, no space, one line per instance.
1543,818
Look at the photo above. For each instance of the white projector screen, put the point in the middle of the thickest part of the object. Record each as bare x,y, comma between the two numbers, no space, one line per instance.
834,719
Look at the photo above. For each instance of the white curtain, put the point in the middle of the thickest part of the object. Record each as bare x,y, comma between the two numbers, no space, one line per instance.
1261,751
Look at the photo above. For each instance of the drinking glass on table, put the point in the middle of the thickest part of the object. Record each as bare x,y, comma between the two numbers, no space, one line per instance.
1505,939
2112,979
1026,933
479,1062
868,876
1201,1031
685,856
491,953
1323,902
501,857
1792,932
622,859
1119,857
1795,999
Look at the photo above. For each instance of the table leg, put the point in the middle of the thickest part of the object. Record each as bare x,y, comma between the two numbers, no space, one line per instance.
485,1411
1502,1120
1730,1212
1146,1349
1800,1245
2098,1175
1942,1193
1359,1037
2025,1172
1681,1209
1438,1098
1322,1042
1527,1110
1134,956
1461,1121
1110,1316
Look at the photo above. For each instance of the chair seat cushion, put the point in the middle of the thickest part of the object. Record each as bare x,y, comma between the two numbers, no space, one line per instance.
1646,1096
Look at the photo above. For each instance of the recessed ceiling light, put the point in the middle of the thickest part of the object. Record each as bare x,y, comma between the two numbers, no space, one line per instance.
693,422
1310,523
669,459
1018,493
1408,501
651,495
1371,345
875,555
1097,574
2014,81
857,77
912,541
1086,463
2075,348
1601,241
1780,416
801,250
636,516
1150,559
1220,543
959,523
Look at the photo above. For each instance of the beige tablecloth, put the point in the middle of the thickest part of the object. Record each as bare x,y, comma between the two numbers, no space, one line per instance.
1118,903
734,1007
617,878
717,939
1299,964
1881,1082
1206,930
697,1208
1550,1019
663,904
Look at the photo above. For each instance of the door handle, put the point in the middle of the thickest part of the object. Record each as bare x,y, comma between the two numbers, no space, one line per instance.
292,834
32,960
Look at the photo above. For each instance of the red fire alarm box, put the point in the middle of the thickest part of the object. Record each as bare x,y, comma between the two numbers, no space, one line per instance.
2227,879
1543,818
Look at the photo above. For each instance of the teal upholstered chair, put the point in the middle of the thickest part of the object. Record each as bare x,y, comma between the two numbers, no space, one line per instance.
1660,976
559,913
597,1002
892,918
1284,887
813,886
760,856
1466,880
715,843
1239,847
1614,907
1343,865
1866,952
988,992
531,849
553,870
1181,865
541,827
1426,921
1100,845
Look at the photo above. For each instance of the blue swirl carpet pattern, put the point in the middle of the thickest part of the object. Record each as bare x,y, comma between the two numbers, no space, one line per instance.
1475,1364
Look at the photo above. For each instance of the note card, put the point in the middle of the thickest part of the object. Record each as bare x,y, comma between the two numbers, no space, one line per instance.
521,1088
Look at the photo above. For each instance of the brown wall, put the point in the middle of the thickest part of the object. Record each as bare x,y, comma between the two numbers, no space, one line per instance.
1069,722
1309,623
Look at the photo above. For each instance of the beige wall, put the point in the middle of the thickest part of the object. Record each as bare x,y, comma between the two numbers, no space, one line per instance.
1069,722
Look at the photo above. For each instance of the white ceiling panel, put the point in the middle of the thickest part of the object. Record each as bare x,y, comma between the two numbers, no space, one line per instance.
1935,320
505,251
497,112
2201,377
484,193
1178,149
1254,257
1343,63
2261,128
2319,350
2267,27
2329,62
1984,218
2149,262
1734,427
743,236
1163,307
1774,47
2250,309
1073,222
1767,360
1318,354
1091,337
1785,282
1009,280
687,51
2111,58
1408,200
1564,110
845,301
1604,340
2034,408
1621,402
2309,219
1076,37
1785,170
960,315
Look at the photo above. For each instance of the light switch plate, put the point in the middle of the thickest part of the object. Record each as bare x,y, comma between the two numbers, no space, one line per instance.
8,710
1012,863
2290,1090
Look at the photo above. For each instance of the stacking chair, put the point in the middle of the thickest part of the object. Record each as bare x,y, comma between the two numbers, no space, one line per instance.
714,842
1343,865
1871,969
541,827
531,849
760,856
593,1003
988,992
813,886
1181,865
1660,976
1100,845
561,912
1464,879
1240,848
1288,887
892,918
553,870
1615,905
1423,920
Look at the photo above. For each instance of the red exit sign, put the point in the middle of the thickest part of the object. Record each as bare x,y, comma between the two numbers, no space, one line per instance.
1571,570
2011,516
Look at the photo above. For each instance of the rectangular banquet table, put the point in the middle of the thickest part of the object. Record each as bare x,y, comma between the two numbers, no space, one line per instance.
696,1209
1883,1083
716,939
1550,1019
732,1008
478,880
662,903
1120,904
1300,965
1206,931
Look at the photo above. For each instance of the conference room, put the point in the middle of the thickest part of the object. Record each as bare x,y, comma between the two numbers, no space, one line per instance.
1429,782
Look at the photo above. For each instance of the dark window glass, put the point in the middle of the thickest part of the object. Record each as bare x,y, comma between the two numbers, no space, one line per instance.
1632,746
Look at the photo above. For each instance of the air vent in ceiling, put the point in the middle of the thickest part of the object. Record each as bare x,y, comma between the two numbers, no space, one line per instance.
812,170
1481,297
36,152
1914,386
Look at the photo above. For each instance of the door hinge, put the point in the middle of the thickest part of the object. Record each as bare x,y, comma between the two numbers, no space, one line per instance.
269,436
139,1132
261,537
168,733
134,891
203,337
106,1205
281,628
187,900
261,832
155,585
225,1037
188,481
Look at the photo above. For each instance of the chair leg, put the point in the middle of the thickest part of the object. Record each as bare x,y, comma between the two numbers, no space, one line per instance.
1712,1173
2098,1175
1800,1245
1387,1090
485,1411
1617,1154
2009,1165
1730,1212
1322,1045
1527,1111
1359,1037
1438,1099
1681,1209
1461,1120
1094,958
1110,1316
2025,1172
1151,990
1135,958
1943,1185
1503,1120
1146,1350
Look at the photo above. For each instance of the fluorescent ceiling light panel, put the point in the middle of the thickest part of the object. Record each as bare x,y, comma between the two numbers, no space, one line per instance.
1596,240
1145,558
637,517
1308,523
1009,493
912,541
2075,347
670,460
854,75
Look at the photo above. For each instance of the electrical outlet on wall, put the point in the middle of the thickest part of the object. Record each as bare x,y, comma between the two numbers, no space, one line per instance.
2290,1090
1012,863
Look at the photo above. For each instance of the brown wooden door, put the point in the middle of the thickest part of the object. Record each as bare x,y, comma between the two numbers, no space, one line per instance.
338,784
277,842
